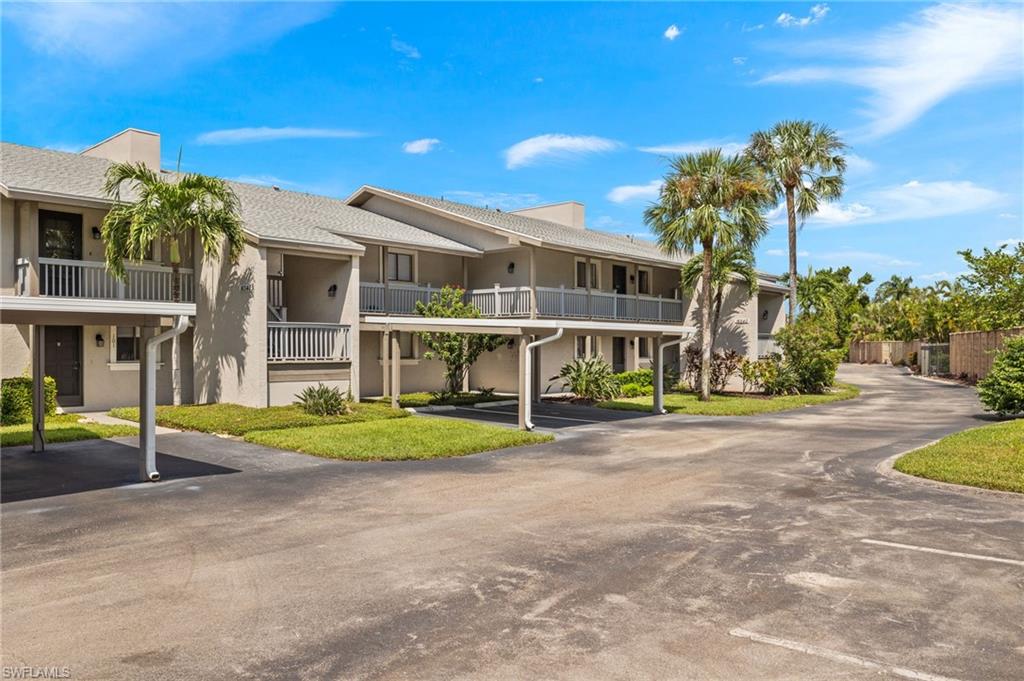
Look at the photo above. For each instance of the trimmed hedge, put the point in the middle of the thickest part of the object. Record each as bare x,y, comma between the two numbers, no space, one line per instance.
16,399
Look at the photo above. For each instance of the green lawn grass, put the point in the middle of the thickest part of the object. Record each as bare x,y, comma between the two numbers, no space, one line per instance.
413,438
233,419
991,457
429,399
63,428
731,405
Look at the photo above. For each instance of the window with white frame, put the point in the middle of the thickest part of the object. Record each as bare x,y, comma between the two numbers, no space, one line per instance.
644,346
401,267
124,346
581,347
643,281
406,345
581,273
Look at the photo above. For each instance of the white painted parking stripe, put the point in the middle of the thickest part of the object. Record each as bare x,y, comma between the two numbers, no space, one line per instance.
837,656
943,552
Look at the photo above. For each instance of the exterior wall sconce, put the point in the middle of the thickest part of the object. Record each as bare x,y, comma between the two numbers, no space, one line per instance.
632,278
332,290
511,267
764,315
96,234
99,340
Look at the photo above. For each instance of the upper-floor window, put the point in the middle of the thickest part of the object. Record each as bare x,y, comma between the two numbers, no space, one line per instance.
643,281
581,273
400,267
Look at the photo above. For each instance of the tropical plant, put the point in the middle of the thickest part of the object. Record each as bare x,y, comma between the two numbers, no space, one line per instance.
1002,390
168,211
458,351
590,378
323,400
894,288
808,348
804,163
724,365
714,201
728,264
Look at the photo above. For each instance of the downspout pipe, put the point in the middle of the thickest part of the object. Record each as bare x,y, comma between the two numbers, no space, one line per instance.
659,373
528,368
147,464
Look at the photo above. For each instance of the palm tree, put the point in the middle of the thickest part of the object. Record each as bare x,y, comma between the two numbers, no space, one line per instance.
805,165
727,264
715,201
168,212
894,288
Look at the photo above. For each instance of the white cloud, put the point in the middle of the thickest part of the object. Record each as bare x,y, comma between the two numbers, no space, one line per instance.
266,134
726,146
1004,216
404,48
672,32
778,253
858,165
607,222
635,192
538,79
114,34
842,213
753,27
935,276
66,147
421,146
817,15
1009,243
911,67
739,61
865,257
500,200
555,146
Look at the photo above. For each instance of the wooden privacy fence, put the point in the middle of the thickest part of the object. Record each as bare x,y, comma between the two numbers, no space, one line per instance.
971,352
883,352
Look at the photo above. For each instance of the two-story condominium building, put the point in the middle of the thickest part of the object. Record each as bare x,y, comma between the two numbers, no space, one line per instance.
325,291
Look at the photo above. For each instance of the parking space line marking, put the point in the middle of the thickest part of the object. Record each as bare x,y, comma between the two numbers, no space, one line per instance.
956,554
837,656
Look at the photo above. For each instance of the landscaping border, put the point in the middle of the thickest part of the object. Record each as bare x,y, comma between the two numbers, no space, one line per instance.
886,469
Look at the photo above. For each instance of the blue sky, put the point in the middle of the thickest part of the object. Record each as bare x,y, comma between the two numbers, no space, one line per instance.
511,105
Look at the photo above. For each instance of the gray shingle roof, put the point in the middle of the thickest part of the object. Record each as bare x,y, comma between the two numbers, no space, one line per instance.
549,233
266,212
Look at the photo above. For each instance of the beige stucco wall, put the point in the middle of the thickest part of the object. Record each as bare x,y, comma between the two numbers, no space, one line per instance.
306,282
230,337
774,304
417,375
16,350
568,213
8,246
132,146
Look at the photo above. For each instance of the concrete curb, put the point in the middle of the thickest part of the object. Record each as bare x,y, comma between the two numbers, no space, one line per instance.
885,468
495,403
430,409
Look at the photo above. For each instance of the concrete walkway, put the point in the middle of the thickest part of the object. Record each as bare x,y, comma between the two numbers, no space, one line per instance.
669,547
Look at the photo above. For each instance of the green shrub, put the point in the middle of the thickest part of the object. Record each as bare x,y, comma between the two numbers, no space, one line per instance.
635,390
776,377
323,400
724,364
637,376
809,350
1002,390
590,378
16,399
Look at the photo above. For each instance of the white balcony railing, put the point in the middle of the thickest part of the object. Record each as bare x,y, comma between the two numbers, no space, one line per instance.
766,345
90,279
308,342
514,301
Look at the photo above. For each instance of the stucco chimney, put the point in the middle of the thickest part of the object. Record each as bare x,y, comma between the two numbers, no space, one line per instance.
132,146
568,213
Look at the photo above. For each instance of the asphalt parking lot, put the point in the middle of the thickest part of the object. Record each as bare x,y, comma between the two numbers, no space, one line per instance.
668,547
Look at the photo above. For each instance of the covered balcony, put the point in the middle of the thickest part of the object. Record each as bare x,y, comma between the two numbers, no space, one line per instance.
308,342
65,278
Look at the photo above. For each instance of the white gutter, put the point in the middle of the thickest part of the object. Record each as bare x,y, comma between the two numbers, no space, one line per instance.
147,412
527,399
659,373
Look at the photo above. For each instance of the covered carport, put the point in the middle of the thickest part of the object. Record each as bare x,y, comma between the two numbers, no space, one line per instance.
40,312
530,334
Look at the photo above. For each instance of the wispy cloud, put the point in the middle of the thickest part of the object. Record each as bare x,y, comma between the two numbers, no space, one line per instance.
555,146
500,200
911,67
404,48
817,15
779,252
113,34
672,32
863,257
264,180
266,134
635,192
421,146
935,276
858,165
727,147
739,61
1004,216
1009,243
745,28
65,147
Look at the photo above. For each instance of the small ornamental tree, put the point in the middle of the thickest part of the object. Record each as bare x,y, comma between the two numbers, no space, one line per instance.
1002,390
458,351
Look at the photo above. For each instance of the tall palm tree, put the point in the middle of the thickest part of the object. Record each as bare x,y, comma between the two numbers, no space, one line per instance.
715,201
732,263
167,211
894,288
805,164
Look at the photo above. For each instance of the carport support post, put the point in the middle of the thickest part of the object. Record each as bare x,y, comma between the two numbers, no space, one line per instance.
385,355
396,368
38,389
147,405
659,373
524,399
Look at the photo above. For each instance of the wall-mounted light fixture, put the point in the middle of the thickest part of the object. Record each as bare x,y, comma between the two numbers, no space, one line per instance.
632,278
632,343
764,315
96,234
511,267
99,340
332,290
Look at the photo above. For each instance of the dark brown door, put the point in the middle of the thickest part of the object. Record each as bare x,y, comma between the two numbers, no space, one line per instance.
63,361
619,279
618,354
60,236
